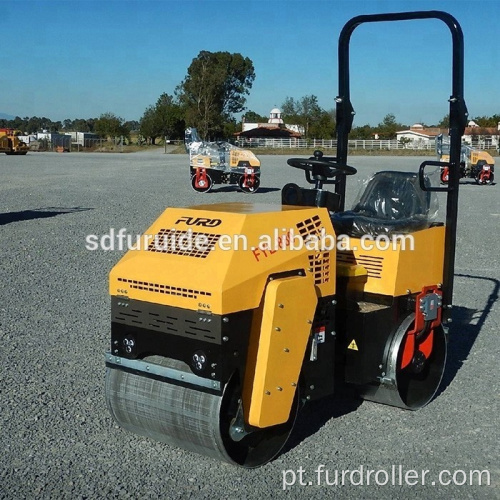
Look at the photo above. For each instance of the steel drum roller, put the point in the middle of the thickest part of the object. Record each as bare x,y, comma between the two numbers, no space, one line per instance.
189,418
410,388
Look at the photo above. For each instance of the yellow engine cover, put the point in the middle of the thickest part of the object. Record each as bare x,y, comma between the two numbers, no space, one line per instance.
236,156
477,155
400,270
230,273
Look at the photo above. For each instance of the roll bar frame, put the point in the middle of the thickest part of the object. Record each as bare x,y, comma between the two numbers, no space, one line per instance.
458,121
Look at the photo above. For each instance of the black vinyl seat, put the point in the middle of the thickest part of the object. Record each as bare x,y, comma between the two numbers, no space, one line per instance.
392,203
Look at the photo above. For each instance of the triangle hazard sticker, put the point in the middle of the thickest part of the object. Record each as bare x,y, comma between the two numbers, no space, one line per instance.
353,346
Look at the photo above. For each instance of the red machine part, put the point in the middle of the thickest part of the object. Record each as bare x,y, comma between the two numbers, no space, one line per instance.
485,174
201,180
421,337
445,175
249,178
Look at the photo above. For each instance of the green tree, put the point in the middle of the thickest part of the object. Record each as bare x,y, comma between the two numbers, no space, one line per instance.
110,125
32,125
405,140
132,125
36,124
487,121
389,126
363,132
149,128
164,119
169,116
290,110
306,112
20,124
230,127
311,113
324,126
83,125
55,126
68,124
90,123
445,122
253,117
215,88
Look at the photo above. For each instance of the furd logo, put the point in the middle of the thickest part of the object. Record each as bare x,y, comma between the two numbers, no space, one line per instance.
199,221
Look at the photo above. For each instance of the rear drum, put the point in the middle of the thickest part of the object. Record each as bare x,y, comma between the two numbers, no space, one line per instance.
412,387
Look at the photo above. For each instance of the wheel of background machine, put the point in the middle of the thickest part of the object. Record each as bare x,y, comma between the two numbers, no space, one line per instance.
249,189
189,418
202,189
412,387
481,180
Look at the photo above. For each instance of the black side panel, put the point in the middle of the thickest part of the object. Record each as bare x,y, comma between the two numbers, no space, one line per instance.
213,346
365,324
364,344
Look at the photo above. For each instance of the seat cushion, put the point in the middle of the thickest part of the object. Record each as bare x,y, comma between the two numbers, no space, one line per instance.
391,203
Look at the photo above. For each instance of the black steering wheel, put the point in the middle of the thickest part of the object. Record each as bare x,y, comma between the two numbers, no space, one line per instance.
321,168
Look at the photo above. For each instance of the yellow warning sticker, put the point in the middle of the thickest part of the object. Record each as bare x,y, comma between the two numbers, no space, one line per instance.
353,346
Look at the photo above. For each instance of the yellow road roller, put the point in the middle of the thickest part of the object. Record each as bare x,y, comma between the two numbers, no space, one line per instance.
220,162
475,163
229,318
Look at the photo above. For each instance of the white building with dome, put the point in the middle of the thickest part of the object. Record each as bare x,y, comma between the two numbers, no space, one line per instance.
275,116
275,122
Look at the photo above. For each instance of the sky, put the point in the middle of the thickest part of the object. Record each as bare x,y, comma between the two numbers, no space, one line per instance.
81,58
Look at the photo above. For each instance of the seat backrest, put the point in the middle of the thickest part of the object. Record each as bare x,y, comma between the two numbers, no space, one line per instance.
392,195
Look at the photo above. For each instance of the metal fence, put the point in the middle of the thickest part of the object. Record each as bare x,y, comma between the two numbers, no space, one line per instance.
332,144
363,144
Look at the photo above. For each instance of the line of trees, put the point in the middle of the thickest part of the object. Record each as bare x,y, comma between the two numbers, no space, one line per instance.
107,125
307,113
388,127
488,121
167,119
208,98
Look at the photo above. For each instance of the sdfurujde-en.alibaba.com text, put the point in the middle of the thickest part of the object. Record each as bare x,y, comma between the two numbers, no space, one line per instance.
280,240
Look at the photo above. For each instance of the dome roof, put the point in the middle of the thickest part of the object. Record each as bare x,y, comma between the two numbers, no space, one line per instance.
275,116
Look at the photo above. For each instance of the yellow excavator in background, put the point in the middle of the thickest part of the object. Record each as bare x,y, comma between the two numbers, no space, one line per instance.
10,144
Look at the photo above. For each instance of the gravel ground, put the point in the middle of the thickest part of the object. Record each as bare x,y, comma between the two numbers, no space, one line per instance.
57,438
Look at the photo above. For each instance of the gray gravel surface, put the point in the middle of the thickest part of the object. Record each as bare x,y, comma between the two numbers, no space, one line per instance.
57,439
